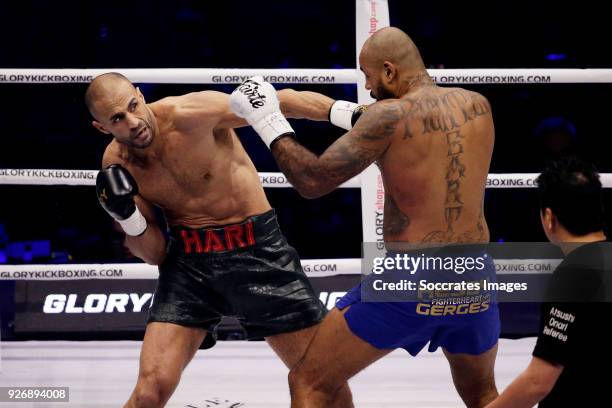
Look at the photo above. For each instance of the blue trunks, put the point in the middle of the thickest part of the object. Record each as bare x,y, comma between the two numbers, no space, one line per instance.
461,320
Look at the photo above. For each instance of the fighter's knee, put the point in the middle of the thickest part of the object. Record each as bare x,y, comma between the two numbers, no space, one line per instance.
146,397
153,389
304,380
487,397
482,398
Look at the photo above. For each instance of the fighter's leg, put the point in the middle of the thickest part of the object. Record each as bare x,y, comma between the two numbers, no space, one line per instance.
166,350
473,376
291,347
334,355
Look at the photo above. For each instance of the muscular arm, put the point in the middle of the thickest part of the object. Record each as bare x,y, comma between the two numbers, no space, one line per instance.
150,246
198,108
315,176
304,105
530,387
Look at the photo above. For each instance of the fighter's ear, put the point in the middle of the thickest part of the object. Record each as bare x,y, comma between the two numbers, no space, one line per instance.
99,126
549,221
389,71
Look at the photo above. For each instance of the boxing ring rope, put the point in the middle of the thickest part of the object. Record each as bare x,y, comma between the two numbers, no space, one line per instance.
314,268
53,177
496,76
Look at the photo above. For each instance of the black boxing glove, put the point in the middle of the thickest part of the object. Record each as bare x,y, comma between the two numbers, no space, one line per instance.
344,114
116,189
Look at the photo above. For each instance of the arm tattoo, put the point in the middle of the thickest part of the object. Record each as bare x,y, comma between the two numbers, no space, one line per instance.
315,176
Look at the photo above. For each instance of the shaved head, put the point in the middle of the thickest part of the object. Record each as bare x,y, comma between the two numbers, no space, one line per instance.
104,85
393,45
119,108
392,64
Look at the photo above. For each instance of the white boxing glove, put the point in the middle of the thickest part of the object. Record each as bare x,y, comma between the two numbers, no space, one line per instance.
256,101
344,114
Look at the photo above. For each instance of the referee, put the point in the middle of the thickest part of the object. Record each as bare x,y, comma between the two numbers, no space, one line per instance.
572,357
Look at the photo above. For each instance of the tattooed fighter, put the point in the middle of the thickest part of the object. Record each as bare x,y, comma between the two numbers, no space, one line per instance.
433,146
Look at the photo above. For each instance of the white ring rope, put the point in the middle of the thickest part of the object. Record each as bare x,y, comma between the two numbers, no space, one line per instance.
303,76
312,267
52,177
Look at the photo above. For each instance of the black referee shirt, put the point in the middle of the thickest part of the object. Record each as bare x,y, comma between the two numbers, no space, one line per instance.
575,328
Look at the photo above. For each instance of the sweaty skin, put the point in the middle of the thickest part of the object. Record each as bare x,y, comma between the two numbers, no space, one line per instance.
197,172
433,146
184,153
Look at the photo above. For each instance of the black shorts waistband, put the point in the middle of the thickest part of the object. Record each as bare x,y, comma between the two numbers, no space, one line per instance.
226,238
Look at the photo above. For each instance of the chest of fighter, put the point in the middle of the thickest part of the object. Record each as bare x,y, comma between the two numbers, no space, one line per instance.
173,178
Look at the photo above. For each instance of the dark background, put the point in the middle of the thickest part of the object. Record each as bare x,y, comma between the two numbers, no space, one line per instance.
47,126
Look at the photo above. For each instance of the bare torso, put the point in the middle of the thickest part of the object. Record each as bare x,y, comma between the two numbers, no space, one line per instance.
199,174
435,168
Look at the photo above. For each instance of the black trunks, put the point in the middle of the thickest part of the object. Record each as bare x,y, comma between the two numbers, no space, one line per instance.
245,270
